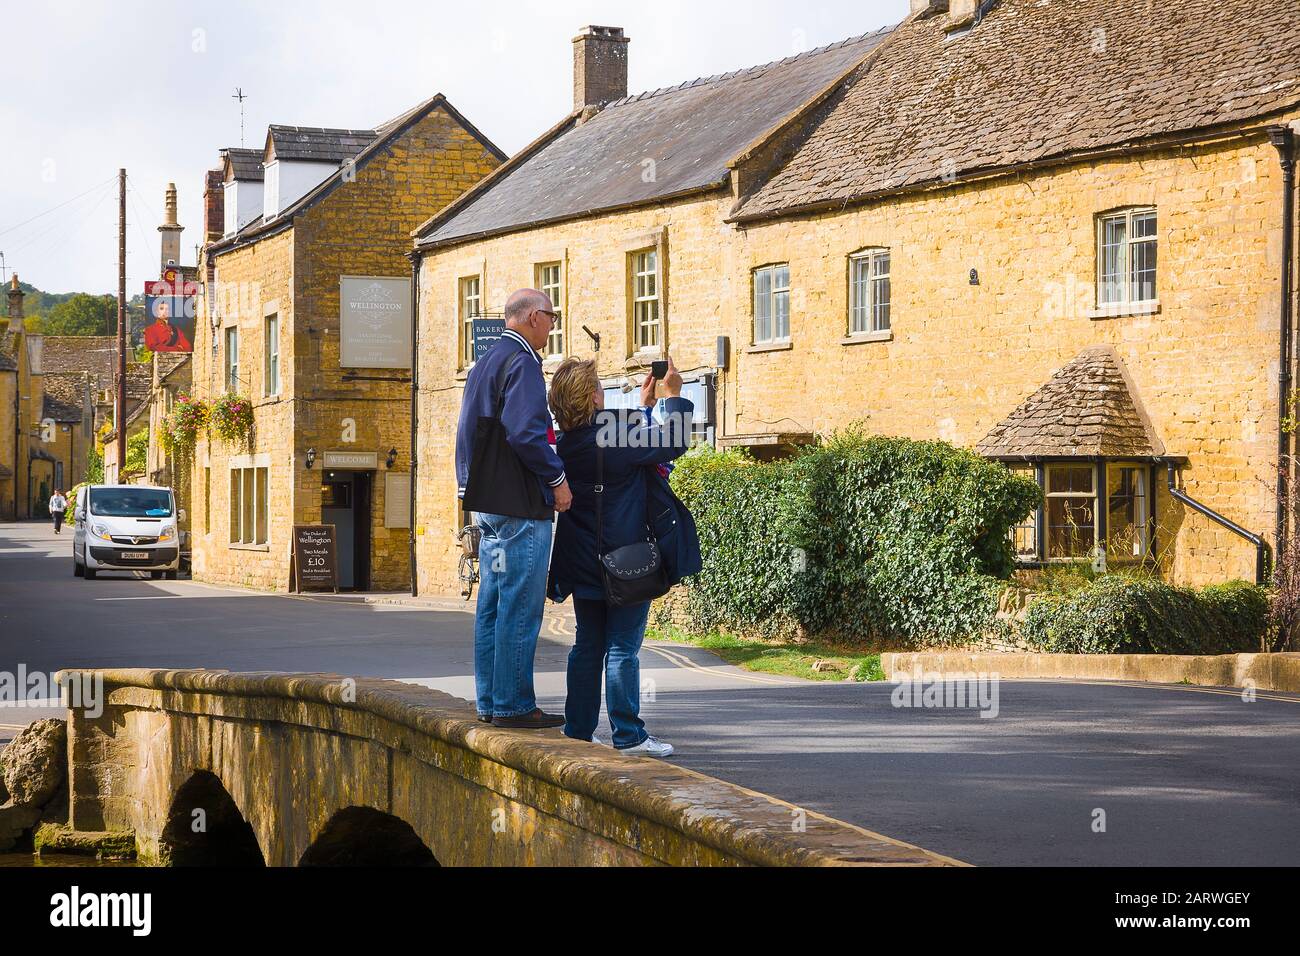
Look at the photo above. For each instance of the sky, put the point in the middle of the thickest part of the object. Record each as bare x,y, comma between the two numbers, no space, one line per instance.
90,87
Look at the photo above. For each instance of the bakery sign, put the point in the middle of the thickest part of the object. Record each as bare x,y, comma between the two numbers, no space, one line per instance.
374,322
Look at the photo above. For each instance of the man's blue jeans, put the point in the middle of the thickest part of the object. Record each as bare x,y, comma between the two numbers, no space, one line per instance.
513,557
609,640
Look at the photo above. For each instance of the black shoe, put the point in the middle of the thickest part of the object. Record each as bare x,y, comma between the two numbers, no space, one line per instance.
535,720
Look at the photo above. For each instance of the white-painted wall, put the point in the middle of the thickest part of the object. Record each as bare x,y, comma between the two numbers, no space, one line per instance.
243,204
289,180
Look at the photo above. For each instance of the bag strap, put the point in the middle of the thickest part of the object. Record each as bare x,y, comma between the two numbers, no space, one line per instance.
599,490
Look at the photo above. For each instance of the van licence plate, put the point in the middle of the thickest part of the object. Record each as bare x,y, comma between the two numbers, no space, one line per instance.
135,555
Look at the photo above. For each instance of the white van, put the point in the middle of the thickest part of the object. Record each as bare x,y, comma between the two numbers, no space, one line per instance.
125,528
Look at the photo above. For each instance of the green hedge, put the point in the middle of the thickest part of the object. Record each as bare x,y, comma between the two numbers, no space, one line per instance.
871,537
1118,614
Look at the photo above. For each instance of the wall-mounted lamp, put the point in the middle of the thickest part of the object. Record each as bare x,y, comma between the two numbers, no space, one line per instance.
595,338
974,277
311,457
392,457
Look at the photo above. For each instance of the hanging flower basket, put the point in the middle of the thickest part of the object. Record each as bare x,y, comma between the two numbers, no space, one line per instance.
231,418
180,430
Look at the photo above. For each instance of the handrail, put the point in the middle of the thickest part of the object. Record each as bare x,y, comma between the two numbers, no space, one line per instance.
1261,546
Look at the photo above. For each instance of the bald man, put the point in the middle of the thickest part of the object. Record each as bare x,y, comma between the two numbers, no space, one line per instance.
513,508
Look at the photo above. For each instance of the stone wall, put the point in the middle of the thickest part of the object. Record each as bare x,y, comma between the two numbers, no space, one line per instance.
695,267
292,751
361,228
960,356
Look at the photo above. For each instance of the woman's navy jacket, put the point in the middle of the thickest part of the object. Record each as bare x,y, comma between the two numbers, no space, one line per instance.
636,495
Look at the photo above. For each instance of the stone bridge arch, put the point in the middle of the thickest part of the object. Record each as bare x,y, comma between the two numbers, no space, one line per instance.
364,836
206,828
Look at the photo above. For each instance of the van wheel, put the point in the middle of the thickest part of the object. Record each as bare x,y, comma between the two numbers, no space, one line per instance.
89,573
77,569
171,575
156,575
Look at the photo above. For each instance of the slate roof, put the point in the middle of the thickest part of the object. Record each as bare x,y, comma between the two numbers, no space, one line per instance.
316,144
1088,409
379,139
243,164
64,394
95,355
690,131
1037,79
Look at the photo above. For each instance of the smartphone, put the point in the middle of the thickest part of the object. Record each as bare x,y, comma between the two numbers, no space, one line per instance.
658,369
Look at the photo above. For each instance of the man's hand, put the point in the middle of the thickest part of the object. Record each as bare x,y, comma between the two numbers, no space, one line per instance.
563,496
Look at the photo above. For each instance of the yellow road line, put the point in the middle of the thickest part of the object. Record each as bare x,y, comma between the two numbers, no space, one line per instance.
681,660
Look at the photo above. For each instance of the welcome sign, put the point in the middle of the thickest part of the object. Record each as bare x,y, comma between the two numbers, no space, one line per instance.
374,322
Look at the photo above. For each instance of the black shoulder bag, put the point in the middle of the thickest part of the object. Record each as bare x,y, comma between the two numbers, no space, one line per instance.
499,483
634,573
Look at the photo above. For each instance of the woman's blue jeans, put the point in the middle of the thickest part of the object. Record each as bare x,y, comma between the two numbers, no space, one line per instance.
608,641
513,557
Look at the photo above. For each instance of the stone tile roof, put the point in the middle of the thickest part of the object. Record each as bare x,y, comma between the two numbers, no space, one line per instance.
244,164
95,355
316,144
1088,409
64,395
7,361
1037,79
690,131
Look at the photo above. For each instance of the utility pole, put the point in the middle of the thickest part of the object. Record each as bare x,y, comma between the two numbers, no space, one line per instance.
120,413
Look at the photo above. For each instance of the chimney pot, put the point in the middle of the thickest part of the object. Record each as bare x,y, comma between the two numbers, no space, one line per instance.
599,66
928,8
15,301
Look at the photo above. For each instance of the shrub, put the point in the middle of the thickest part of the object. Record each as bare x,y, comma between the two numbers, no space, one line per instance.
231,418
1118,614
137,454
876,538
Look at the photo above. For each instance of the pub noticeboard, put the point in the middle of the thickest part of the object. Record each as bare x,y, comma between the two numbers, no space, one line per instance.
314,562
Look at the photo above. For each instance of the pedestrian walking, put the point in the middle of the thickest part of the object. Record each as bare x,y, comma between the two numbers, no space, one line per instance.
58,508
512,480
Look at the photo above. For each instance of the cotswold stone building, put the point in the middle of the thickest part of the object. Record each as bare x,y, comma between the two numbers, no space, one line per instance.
315,225
1051,232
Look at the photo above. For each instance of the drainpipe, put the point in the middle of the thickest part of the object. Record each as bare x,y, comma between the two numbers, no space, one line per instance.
1261,546
415,404
1280,137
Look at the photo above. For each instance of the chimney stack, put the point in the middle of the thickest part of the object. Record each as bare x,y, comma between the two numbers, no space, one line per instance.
599,67
928,8
171,232
214,205
15,301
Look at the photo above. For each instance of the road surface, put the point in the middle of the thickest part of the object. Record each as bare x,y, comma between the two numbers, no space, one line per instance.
1183,775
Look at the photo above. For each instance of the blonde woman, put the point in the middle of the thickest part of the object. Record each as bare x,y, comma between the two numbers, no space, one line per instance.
637,502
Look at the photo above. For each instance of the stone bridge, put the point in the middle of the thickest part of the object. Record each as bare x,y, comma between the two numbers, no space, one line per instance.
209,767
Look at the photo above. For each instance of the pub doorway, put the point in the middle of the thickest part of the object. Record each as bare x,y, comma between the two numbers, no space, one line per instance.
345,502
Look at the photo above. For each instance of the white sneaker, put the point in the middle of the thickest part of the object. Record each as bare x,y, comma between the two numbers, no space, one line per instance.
651,747
598,742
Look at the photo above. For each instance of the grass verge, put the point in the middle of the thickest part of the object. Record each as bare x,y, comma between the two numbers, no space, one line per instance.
775,657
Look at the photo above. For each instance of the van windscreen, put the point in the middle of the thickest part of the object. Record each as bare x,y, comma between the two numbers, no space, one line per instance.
130,502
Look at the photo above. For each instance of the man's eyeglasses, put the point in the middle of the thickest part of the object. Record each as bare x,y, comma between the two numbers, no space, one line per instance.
554,316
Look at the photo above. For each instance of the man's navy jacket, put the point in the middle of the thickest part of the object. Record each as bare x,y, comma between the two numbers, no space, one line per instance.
525,416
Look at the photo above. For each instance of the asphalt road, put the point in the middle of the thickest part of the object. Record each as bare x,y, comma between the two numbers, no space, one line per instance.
1185,776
